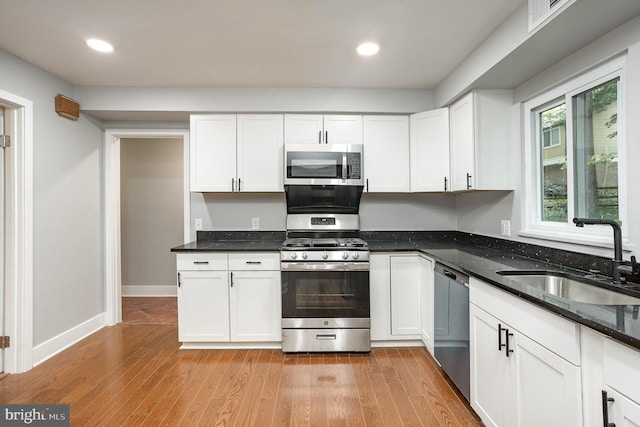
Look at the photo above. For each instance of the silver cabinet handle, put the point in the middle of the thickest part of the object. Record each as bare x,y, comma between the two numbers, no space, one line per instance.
201,262
319,137
325,336
254,262
239,184
468,182
326,136
445,183
233,184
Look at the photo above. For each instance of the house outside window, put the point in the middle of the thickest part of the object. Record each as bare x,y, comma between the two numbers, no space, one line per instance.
573,154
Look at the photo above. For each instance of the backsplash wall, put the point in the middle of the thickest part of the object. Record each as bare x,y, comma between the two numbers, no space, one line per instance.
234,211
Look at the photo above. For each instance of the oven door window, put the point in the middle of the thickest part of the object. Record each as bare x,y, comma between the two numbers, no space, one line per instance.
310,165
326,294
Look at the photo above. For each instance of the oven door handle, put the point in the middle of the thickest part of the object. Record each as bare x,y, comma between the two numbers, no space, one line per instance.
330,266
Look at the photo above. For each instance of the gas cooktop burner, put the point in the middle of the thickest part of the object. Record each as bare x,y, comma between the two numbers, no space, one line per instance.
340,243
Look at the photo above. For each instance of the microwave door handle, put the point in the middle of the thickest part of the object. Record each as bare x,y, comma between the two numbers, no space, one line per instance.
345,167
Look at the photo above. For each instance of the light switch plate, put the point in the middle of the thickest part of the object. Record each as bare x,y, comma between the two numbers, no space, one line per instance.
255,223
198,224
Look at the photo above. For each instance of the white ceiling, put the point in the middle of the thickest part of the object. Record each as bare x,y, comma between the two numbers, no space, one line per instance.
249,43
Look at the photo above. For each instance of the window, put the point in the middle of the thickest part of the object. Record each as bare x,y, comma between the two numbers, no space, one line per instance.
551,136
573,146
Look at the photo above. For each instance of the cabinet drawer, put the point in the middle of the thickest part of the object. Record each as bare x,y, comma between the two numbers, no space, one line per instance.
550,330
202,261
622,368
254,261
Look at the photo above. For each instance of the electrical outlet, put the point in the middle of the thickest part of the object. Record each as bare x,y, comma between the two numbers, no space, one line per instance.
198,224
506,227
255,223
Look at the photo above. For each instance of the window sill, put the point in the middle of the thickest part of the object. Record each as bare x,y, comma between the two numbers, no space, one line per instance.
582,239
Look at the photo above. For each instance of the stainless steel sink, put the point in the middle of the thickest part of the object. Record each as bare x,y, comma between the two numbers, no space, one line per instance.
570,288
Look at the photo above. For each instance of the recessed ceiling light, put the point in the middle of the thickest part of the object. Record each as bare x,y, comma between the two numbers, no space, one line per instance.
368,49
100,45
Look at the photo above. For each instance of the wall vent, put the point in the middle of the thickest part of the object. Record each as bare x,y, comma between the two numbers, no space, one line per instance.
541,11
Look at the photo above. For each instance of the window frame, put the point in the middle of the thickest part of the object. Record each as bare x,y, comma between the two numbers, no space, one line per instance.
533,226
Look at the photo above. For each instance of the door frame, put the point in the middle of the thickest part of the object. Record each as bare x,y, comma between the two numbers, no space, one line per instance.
19,237
112,243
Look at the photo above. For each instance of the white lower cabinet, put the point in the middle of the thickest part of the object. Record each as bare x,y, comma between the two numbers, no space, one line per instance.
254,302
203,306
516,380
621,411
395,297
405,295
229,298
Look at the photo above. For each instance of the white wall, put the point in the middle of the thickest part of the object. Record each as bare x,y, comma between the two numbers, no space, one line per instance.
151,200
626,38
67,206
378,212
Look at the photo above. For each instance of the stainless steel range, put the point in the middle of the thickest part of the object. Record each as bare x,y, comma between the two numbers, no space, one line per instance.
325,274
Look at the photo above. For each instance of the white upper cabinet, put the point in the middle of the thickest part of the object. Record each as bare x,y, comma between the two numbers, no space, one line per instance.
480,141
319,129
212,152
260,151
430,151
386,153
231,153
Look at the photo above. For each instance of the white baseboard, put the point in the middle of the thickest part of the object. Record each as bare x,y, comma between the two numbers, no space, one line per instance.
66,339
149,291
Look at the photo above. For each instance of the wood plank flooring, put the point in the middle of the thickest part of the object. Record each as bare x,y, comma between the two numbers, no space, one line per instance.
137,376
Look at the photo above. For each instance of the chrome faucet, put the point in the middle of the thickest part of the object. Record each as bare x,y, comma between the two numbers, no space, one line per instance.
621,268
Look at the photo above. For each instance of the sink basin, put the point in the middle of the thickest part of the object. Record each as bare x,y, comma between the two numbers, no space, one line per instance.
569,287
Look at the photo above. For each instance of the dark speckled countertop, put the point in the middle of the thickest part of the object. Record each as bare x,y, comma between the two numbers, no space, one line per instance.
480,257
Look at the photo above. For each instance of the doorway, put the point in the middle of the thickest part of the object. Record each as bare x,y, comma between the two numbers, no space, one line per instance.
16,238
125,262
151,219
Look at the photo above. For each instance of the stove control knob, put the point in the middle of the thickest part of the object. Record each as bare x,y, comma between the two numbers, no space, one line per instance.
294,255
345,255
356,255
304,255
325,255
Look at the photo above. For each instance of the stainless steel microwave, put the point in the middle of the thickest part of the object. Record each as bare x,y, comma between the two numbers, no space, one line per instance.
331,164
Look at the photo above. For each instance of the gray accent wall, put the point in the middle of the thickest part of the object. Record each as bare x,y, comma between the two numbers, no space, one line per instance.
152,212
68,286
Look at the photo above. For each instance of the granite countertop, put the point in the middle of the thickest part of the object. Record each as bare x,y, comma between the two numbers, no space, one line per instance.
480,257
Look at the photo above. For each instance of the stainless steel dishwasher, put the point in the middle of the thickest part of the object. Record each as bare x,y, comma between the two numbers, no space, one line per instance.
451,322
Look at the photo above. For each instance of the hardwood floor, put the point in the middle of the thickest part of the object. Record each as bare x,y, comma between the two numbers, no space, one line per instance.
137,376
150,310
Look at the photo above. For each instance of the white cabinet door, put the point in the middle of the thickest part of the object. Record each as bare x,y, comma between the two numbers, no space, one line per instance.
203,306
343,129
481,142
461,140
405,295
517,382
259,148
212,152
255,306
546,388
430,151
386,154
490,369
303,129
622,411
318,129
426,305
